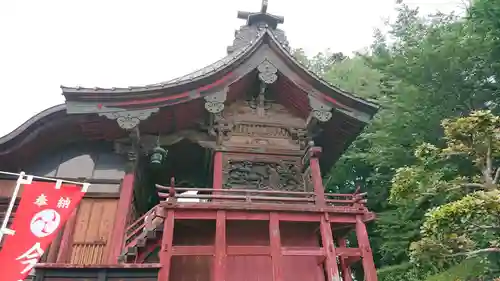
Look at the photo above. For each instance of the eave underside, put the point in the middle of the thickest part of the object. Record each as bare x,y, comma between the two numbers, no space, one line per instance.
73,128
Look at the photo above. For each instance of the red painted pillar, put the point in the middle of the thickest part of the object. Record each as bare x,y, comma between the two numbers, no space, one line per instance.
319,190
346,269
217,184
219,270
166,246
275,243
366,251
120,225
331,266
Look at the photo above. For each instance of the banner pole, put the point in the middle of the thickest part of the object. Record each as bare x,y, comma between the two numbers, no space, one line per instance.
20,181
43,178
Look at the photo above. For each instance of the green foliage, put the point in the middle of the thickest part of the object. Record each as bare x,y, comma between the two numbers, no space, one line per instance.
426,69
403,271
465,220
471,269
321,62
460,227
355,76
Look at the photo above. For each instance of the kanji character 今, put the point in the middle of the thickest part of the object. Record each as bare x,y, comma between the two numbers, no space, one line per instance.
30,258
63,202
41,200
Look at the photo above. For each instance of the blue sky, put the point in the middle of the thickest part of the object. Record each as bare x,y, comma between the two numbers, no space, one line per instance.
45,44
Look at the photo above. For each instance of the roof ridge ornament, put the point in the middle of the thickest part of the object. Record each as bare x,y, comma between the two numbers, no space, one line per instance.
263,8
267,72
261,17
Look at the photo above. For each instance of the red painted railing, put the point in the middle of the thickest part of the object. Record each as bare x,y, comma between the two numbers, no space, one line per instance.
250,197
135,229
207,195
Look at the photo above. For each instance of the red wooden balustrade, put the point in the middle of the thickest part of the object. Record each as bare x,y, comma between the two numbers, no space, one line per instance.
254,196
173,207
135,229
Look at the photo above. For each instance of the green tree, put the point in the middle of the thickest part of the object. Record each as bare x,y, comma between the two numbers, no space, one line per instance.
424,70
319,63
462,179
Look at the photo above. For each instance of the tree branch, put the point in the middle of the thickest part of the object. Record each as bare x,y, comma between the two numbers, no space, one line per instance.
483,227
489,165
497,176
468,185
477,252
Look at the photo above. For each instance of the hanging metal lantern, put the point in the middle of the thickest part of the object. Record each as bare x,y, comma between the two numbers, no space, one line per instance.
158,156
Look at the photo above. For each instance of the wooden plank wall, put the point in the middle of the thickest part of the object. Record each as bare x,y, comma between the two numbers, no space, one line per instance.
248,268
92,231
296,268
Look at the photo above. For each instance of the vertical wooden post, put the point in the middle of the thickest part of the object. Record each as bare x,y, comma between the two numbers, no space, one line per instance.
275,243
366,251
346,268
166,246
217,166
219,270
319,190
120,225
331,267
67,236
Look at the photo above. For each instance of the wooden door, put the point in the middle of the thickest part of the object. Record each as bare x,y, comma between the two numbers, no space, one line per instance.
92,232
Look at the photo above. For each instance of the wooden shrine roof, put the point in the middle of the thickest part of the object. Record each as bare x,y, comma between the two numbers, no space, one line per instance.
179,102
214,75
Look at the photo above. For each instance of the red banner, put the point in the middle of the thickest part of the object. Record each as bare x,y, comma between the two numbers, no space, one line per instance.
43,209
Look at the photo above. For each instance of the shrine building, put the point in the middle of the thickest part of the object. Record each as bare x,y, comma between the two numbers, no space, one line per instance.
212,176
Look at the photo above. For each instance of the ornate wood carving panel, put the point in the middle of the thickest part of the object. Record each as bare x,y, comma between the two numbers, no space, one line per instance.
265,173
273,129
274,114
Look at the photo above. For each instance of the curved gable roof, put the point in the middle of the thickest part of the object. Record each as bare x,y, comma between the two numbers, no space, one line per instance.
75,93
250,42
192,77
33,121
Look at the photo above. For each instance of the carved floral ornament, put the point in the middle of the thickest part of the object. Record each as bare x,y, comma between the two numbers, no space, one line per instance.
265,175
214,103
267,72
320,110
129,119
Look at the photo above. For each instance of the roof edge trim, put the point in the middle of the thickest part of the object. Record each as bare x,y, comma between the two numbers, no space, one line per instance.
178,81
31,121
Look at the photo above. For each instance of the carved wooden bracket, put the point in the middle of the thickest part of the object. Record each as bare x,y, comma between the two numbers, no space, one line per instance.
129,147
129,119
267,72
214,103
320,110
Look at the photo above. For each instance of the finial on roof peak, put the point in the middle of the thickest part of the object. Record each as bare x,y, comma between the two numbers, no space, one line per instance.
263,8
261,17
